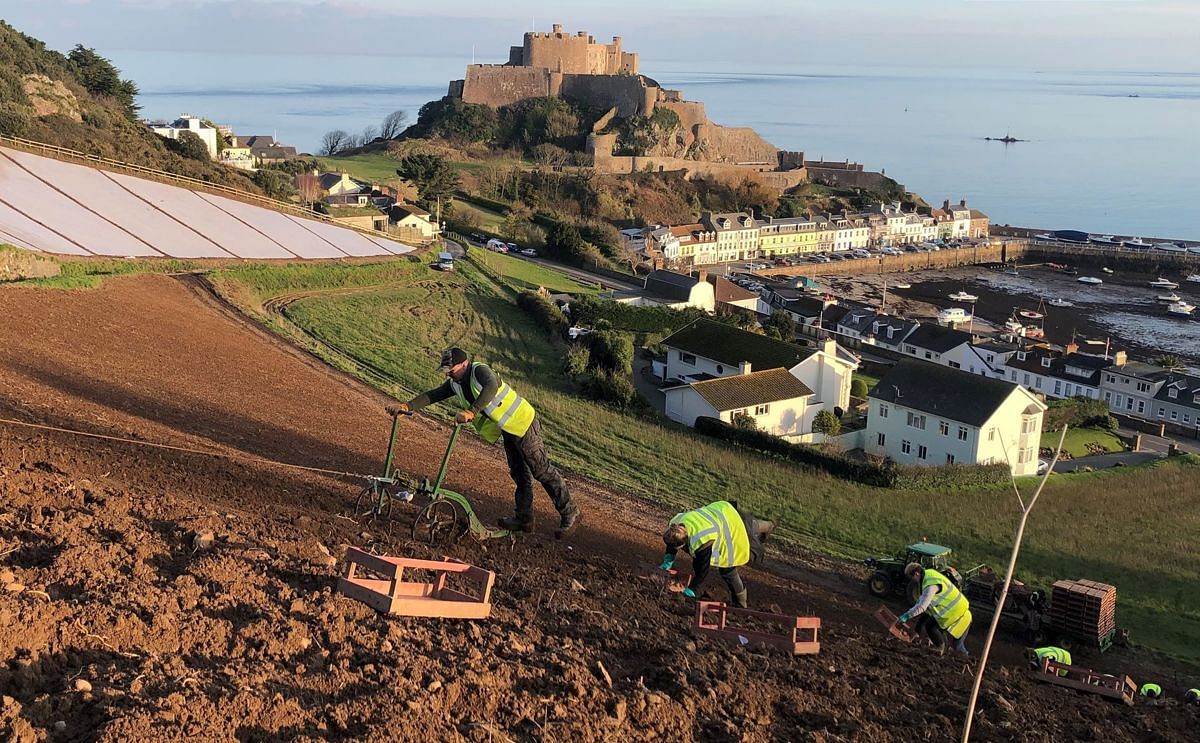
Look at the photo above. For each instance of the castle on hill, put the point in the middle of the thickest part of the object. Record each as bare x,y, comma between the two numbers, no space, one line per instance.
575,66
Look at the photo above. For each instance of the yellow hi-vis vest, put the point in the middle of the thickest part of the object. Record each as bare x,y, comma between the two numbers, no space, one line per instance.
720,524
949,607
1058,655
507,412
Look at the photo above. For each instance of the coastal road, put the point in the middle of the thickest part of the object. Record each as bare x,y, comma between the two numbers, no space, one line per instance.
1161,444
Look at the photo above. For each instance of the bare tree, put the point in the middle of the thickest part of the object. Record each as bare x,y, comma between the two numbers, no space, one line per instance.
393,124
369,134
334,142
309,188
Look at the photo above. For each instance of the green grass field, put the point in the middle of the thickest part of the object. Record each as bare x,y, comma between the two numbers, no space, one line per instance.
1138,528
1078,439
488,220
524,274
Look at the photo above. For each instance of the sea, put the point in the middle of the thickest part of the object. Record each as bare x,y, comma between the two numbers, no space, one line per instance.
1108,152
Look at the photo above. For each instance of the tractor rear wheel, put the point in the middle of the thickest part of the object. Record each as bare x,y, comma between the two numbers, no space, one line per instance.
880,583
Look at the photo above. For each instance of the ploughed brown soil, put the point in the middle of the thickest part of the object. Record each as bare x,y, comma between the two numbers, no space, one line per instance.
245,639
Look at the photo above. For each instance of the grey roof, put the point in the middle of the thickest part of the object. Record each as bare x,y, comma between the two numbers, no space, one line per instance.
727,291
936,338
899,330
943,391
670,285
1034,362
731,346
755,388
726,221
1187,391
1140,370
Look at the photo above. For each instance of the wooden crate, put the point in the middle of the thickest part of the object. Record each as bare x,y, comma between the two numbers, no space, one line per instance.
1082,679
389,593
892,623
797,635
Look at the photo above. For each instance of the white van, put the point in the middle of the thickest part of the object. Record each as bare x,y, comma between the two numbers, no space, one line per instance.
497,246
445,262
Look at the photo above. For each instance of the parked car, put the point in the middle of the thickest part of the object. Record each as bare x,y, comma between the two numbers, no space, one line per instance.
497,246
477,238
529,252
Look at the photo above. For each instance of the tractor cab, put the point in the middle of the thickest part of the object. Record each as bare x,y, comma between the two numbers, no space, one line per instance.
888,576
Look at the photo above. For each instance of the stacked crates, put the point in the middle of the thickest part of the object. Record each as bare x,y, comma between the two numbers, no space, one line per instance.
1085,609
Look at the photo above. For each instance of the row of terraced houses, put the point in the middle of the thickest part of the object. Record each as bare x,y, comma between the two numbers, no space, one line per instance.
740,236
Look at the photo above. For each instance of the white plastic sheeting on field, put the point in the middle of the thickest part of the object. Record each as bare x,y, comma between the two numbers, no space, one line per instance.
59,207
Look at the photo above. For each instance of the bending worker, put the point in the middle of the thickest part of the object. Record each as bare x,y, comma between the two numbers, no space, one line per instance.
941,610
1150,691
1058,655
1192,696
717,534
498,412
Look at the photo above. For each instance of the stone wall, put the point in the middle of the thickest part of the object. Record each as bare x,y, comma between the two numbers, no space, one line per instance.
499,85
734,145
22,264
843,177
995,252
576,54
628,93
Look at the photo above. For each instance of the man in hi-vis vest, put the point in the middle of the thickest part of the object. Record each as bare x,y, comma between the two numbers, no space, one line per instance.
499,413
941,610
717,534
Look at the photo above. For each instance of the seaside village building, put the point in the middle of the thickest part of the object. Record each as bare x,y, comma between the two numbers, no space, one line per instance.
926,414
716,370
187,123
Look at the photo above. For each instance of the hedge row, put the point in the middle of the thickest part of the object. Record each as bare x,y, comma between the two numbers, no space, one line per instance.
544,312
588,310
886,475
1078,412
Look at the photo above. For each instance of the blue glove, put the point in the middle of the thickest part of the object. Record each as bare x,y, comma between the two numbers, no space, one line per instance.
689,593
903,618
667,563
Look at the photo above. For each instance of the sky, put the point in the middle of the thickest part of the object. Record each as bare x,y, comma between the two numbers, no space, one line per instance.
1143,35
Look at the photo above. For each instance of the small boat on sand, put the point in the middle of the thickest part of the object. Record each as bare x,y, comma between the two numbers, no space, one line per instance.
1060,303
1172,297
1181,309
1161,283
961,296
1089,280
1030,314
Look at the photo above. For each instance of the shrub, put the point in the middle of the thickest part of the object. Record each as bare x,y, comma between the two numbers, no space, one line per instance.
612,388
744,421
611,351
14,119
951,476
1078,412
546,314
577,360
858,388
827,423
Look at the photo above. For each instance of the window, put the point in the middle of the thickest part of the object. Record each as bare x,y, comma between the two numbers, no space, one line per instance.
991,434
949,459
928,355
1025,456
1026,375
956,365
883,411
922,452
720,369
1013,372
1162,412
762,409
1129,403
1174,415
944,428
906,446
687,358
1187,418
1046,362
910,349
916,421
1037,382
1172,393
1143,387
1058,387
1027,424
962,433
1110,378
881,440
1141,406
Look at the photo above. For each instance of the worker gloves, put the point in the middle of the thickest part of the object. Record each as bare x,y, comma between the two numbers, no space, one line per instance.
399,408
689,593
464,416
667,563
903,618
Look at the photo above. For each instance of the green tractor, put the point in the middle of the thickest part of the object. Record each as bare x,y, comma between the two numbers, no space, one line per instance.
887,578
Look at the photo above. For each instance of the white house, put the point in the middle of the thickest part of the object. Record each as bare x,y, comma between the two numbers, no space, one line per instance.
777,401
945,346
927,414
188,123
674,290
1056,374
413,222
706,349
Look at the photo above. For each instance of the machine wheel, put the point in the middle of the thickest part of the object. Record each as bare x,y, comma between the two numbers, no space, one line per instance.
879,584
373,503
440,522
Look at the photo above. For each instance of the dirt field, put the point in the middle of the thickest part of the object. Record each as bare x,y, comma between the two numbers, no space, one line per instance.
246,640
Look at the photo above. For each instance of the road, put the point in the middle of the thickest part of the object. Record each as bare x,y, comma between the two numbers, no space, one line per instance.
1104,461
1160,444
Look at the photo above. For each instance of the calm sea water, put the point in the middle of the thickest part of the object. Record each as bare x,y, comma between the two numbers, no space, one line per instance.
1109,152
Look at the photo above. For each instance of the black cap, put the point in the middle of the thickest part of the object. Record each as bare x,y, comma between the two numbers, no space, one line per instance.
451,358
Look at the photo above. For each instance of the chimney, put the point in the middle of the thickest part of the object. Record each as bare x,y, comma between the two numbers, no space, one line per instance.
557,28
744,367
829,346
946,204
1071,348
962,202
703,277
1119,358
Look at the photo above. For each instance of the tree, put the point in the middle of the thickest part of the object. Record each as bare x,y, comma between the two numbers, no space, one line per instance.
744,421
433,175
611,351
100,77
858,388
780,325
827,423
274,183
191,146
334,142
393,124
1171,362
369,135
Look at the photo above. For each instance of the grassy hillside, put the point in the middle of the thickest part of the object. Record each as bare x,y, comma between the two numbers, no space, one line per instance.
397,316
78,101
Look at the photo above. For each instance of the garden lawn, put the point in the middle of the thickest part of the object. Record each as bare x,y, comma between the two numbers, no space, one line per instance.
522,273
1078,439
1135,527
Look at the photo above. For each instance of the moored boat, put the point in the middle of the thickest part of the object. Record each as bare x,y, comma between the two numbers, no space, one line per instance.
961,296
1089,280
1107,270
1161,283
1181,309
1030,314
1194,278
1172,297
1137,243
1107,241
1060,303
902,285
953,316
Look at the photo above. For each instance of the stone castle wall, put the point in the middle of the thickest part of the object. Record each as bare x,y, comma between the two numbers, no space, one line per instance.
735,145
629,94
576,54
501,85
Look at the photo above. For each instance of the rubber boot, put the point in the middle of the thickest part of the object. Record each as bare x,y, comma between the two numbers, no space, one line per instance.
570,520
739,600
517,522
